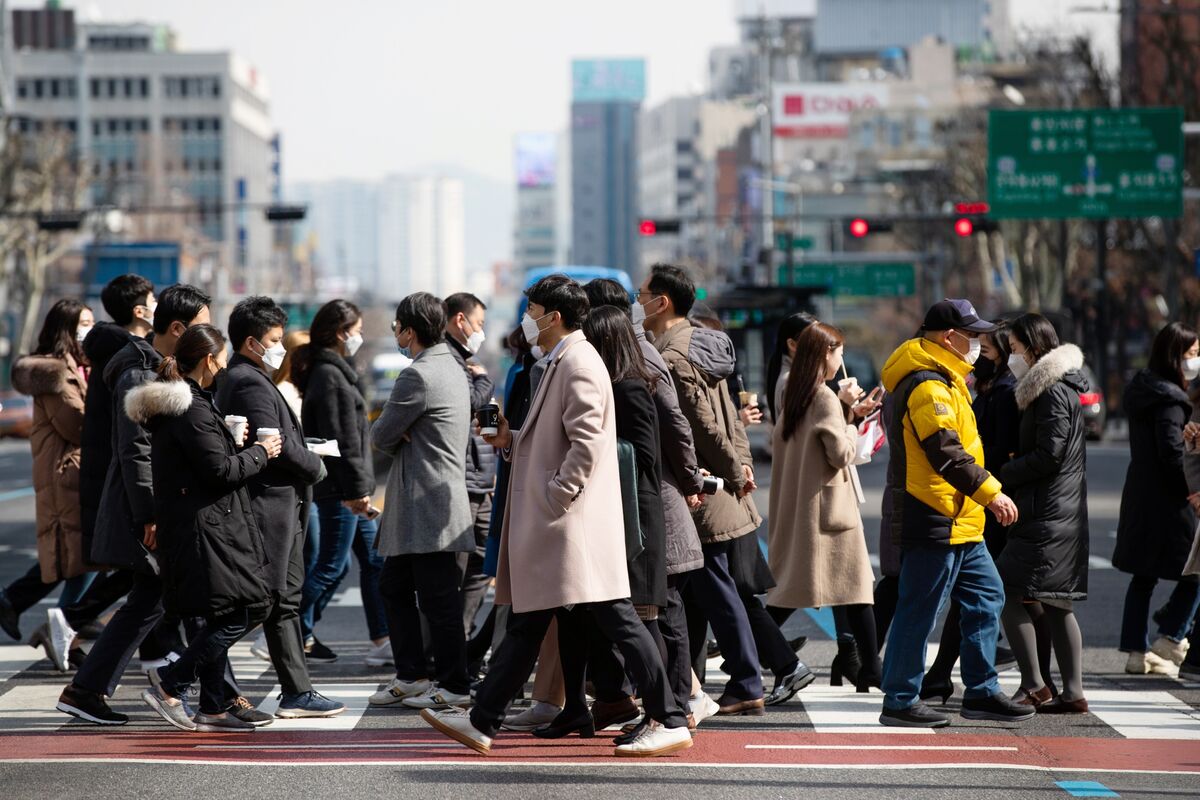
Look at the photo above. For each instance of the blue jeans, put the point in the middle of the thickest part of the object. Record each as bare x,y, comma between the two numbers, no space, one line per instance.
343,532
1174,618
929,576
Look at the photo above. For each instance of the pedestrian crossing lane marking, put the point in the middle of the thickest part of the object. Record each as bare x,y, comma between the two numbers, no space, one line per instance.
1144,715
16,658
354,695
30,707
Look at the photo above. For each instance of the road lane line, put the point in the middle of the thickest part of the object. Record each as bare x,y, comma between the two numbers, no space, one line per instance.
1144,715
877,747
346,746
354,695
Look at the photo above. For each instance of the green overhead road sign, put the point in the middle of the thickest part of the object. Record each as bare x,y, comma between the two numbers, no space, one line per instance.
787,241
865,279
1091,163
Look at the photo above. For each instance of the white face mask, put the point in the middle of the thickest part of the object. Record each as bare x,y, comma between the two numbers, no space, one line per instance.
1191,368
353,342
273,356
475,341
1017,365
974,348
82,332
529,326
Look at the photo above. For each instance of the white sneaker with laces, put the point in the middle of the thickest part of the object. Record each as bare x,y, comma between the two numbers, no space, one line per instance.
534,717
702,707
58,644
456,723
656,740
1149,664
395,692
259,648
1164,648
381,655
436,697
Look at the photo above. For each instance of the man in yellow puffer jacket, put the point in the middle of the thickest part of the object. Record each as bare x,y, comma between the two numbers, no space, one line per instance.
940,490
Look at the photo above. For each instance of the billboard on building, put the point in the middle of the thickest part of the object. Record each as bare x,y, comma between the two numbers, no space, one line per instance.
608,79
822,110
536,159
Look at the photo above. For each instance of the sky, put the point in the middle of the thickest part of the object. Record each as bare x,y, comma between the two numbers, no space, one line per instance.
362,88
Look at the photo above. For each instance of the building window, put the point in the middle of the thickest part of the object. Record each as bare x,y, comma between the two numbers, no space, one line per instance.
144,87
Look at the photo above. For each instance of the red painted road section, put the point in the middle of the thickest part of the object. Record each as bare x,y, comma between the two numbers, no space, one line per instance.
711,748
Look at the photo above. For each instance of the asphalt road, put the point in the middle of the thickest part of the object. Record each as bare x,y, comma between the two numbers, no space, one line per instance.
859,763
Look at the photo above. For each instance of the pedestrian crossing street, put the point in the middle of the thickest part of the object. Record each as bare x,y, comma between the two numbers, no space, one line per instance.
1165,709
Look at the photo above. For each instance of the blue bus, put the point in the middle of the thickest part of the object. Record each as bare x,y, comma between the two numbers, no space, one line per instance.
576,273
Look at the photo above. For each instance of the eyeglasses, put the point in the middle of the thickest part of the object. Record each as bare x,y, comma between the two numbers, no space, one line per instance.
639,293
396,326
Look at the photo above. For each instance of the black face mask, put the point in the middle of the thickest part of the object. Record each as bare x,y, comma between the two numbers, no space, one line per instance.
985,370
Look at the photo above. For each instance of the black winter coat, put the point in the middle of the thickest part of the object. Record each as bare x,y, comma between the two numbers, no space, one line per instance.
209,546
280,493
516,406
127,502
637,423
104,342
999,423
334,408
481,456
1157,524
1047,551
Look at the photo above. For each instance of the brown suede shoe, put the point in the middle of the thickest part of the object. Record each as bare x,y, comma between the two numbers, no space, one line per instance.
1060,706
605,714
733,707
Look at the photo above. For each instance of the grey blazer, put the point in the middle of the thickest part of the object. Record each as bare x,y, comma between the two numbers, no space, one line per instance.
424,427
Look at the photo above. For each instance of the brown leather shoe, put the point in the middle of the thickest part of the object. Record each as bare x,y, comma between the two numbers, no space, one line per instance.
1036,699
732,707
1060,706
605,714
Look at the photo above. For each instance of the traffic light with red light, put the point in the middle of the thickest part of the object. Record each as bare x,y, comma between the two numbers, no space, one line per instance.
964,227
861,227
654,227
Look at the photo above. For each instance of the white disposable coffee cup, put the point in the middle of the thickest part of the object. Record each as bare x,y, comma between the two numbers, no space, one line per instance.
237,426
265,433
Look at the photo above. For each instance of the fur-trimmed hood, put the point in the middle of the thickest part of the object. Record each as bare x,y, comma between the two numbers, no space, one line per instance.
158,399
1063,363
34,375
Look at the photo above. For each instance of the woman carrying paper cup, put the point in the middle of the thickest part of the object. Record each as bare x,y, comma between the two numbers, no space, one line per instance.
817,548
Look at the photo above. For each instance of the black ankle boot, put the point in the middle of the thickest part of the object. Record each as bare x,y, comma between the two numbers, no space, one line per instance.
846,664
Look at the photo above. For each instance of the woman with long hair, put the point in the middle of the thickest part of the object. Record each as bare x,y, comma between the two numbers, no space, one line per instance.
207,543
1044,564
1157,523
334,408
55,374
780,364
283,376
582,647
817,547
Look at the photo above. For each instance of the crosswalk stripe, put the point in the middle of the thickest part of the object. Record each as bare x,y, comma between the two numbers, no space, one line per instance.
834,709
16,658
1144,715
30,707
354,695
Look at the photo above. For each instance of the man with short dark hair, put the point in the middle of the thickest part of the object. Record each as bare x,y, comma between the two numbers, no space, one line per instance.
125,533
666,296
427,522
279,495
466,316
559,547
941,493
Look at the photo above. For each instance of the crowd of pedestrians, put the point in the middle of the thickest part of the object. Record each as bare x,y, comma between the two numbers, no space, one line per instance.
210,484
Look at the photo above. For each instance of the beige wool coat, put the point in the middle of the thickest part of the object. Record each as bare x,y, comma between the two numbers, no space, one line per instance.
563,538
816,546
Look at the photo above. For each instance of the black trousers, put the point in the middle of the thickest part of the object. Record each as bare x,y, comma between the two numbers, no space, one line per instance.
111,653
672,624
518,652
28,590
282,628
711,598
430,581
773,648
207,659
585,652
475,581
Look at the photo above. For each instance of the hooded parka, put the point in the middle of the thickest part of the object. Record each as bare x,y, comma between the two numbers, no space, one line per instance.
1046,556
210,549
58,392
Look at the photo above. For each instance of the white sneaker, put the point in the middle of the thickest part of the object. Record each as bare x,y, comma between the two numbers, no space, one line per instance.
259,648
1164,648
160,662
395,692
656,740
534,717
58,642
456,723
702,707
381,655
436,698
1149,663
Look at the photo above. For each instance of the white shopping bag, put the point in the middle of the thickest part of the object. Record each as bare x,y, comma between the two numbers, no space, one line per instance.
871,437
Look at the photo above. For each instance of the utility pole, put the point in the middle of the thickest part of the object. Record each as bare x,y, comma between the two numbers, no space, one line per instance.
768,140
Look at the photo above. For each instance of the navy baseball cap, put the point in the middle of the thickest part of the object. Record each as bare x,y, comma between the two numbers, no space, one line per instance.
955,314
